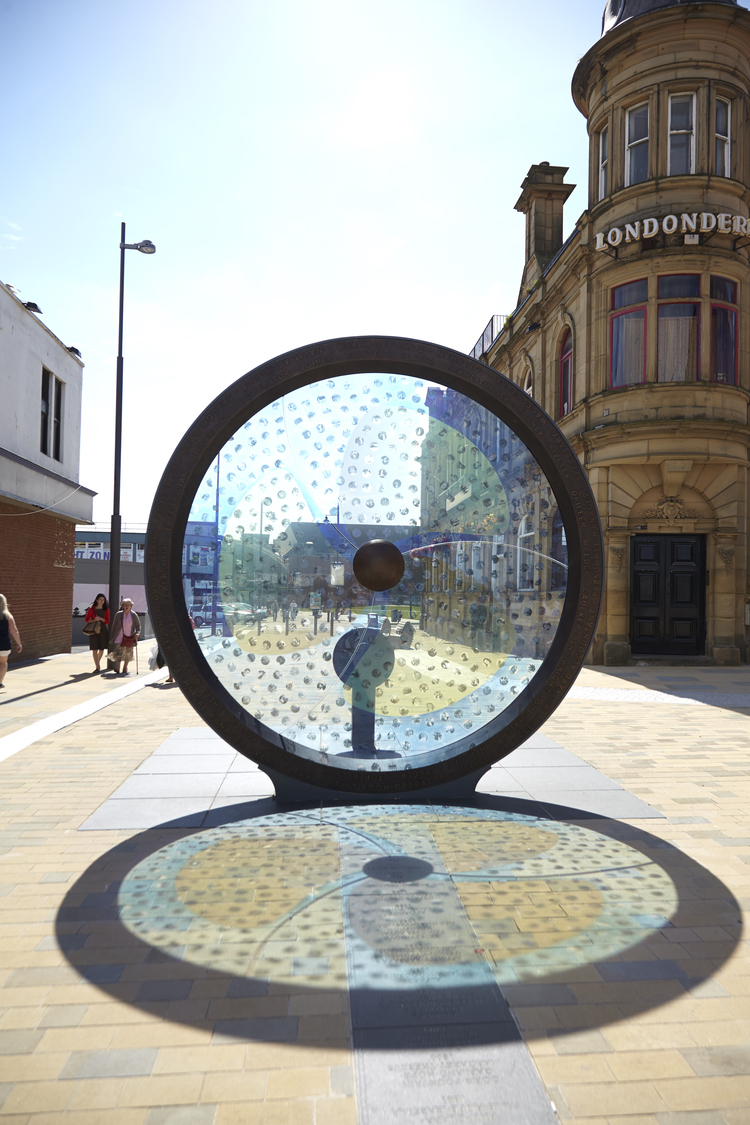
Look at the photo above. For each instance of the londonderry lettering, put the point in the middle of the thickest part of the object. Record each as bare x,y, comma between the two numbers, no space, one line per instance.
689,224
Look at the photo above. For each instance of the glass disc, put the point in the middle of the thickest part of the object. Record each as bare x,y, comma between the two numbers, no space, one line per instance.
355,678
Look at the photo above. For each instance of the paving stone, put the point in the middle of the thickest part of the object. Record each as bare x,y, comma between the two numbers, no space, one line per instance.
718,1060
182,1115
240,986
109,1063
580,1042
342,1081
63,1015
310,966
282,1030
20,1042
164,990
66,942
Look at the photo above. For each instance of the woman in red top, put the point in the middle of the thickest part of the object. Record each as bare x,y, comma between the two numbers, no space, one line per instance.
99,642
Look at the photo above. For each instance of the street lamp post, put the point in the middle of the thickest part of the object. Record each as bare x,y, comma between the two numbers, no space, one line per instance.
145,247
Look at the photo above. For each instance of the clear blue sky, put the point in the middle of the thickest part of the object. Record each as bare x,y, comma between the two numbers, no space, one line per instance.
306,170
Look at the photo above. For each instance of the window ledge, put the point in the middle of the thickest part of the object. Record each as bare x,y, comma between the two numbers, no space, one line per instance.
699,180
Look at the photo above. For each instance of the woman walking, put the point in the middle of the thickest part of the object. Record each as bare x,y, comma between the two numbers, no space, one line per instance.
126,629
98,612
7,630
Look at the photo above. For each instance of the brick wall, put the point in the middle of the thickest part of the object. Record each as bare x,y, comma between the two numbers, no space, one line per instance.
36,576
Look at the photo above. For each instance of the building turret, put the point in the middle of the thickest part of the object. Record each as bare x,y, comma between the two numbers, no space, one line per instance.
618,11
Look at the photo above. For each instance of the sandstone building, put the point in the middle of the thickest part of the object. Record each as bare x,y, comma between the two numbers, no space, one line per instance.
634,333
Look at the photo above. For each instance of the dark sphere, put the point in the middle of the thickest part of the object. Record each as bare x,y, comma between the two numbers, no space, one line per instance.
378,565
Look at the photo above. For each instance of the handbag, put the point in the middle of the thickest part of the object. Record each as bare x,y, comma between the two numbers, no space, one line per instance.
128,642
92,627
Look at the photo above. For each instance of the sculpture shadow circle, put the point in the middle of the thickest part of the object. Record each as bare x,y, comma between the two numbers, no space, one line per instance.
168,896
398,869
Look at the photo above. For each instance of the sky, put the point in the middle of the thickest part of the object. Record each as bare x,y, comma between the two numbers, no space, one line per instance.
306,170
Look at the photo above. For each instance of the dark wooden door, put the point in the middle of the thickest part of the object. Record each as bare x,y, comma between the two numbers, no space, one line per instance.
667,595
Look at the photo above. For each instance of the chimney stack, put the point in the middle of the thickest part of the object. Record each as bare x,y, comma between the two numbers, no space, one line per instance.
543,195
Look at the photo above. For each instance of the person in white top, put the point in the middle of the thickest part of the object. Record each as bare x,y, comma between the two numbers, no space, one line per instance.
126,630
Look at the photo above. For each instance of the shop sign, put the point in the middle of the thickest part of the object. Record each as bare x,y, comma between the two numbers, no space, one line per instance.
100,551
690,224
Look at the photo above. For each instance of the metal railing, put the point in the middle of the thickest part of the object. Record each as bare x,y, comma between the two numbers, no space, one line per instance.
488,337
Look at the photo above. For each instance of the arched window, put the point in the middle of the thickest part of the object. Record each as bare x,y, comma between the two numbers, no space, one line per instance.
528,383
566,374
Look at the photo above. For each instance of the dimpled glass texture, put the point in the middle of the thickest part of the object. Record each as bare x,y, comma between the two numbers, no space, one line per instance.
326,668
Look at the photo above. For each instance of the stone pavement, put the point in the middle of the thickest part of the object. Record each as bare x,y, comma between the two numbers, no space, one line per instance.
38,689
283,966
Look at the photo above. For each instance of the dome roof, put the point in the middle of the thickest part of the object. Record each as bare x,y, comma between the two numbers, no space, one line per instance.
618,11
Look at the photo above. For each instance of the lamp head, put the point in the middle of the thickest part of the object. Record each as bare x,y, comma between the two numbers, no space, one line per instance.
146,247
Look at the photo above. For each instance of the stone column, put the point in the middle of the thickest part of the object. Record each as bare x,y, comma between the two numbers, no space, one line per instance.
722,562
617,597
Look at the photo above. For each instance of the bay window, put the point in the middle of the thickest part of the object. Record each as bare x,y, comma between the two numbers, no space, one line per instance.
723,330
681,135
603,163
628,334
636,144
678,345
722,146
694,315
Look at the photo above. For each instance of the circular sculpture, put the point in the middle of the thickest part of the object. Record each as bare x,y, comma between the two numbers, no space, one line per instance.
392,558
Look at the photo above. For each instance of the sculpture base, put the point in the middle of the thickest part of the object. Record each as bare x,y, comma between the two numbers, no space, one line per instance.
291,792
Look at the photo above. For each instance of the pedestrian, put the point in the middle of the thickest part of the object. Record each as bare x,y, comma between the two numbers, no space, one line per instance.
98,615
293,607
8,629
160,662
126,629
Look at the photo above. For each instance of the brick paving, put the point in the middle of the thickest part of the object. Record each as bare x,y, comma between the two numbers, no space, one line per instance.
97,1024
41,688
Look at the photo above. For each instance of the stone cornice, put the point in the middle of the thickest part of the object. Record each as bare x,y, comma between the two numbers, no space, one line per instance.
623,431
623,40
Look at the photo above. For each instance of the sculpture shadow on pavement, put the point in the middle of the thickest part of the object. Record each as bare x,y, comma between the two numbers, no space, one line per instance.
285,926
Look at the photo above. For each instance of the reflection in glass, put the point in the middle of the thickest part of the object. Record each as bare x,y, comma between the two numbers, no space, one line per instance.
345,676
677,285
723,289
632,293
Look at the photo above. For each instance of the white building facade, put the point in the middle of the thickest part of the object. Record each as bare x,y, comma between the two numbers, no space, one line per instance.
41,497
